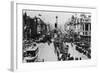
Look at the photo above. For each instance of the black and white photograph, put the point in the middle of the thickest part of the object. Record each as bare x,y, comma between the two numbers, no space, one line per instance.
55,36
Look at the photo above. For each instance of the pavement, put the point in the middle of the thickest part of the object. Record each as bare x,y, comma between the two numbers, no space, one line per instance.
46,52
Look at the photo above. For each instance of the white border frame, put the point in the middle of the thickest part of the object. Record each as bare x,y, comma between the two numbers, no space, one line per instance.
16,60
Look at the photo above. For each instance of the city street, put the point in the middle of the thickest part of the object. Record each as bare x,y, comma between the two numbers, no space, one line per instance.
59,37
46,52
73,52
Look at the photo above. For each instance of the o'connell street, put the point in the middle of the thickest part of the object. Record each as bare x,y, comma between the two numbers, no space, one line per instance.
56,36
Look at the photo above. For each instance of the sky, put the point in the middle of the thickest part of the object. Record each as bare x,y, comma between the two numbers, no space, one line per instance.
49,17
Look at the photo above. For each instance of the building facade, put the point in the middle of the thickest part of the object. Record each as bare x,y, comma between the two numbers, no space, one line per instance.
34,27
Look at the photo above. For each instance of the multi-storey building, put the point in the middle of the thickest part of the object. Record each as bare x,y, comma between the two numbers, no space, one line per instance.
85,22
80,25
35,27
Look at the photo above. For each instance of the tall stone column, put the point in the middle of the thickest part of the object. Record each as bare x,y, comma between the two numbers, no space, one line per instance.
56,22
